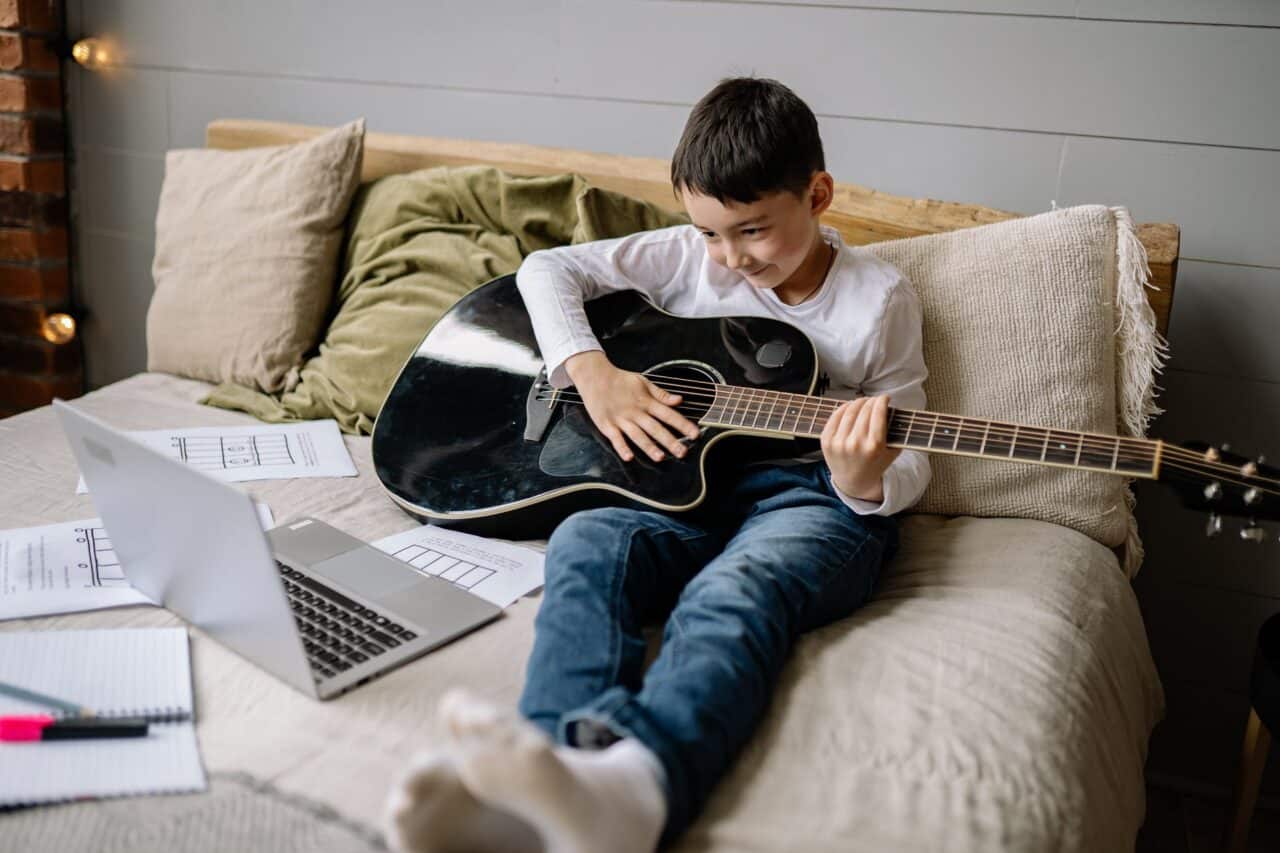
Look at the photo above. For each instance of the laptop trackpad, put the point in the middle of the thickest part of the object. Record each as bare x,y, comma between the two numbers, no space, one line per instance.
368,572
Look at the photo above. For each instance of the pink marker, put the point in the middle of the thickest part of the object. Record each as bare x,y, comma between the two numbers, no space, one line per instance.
44,727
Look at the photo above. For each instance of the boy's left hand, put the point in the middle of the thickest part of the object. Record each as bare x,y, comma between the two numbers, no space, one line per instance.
854,445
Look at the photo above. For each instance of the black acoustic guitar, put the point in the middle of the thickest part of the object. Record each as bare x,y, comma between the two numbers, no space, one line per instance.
473,436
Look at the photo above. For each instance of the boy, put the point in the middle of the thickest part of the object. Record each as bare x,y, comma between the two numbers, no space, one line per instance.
609,757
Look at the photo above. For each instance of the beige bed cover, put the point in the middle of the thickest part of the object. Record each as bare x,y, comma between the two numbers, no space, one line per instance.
997,693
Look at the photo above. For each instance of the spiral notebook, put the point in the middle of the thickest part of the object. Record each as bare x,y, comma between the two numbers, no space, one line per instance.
127,672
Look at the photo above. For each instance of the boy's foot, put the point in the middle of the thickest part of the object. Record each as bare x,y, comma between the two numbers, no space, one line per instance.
430,811
576,801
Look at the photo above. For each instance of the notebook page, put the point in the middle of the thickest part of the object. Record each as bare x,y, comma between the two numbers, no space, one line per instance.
166,761
115,672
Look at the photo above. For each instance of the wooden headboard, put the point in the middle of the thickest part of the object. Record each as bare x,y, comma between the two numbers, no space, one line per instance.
862,215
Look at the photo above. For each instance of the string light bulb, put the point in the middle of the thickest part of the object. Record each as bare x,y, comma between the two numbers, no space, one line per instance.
58,328
90,52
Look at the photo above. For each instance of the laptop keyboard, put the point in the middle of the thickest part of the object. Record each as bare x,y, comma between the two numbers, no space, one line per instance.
337,633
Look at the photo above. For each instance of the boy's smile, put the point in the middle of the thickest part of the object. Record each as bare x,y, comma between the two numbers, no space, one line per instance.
772,242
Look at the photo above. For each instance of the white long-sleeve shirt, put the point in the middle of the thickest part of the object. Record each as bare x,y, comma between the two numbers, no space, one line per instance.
864,321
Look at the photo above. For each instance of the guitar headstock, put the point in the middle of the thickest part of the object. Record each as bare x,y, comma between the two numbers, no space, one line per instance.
1222,483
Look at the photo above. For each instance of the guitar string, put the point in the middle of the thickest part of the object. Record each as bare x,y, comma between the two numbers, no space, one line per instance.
1136,448
812,407
1193,464
1144,452
1106,445
994,429
819,403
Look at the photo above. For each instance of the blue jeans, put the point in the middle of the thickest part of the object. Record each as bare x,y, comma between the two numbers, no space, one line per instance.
735,584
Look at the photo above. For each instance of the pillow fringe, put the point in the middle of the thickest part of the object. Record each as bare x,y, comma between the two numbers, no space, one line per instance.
1141,353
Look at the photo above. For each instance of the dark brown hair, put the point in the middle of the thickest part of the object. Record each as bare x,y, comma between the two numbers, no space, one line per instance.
746,138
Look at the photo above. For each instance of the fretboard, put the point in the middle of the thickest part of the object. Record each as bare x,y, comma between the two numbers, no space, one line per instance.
777,412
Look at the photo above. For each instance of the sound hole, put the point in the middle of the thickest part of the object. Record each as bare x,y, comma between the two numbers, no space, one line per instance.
695,384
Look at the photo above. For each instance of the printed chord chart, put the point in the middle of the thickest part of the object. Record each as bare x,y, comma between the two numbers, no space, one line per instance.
242,453
228,451
499,572
100,557
459,572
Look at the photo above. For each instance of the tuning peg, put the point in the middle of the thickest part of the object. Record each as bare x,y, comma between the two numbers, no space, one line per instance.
1251,496
1214,526
1225,447
1253,533
1213,491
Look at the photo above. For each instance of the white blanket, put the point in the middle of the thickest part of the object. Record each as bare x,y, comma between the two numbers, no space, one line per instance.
997,693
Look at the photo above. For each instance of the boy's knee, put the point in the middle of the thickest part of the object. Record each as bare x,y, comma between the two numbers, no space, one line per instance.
597,527
734,589
589,543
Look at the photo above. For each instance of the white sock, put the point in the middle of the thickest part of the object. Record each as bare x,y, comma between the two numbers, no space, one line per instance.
577,801
430,811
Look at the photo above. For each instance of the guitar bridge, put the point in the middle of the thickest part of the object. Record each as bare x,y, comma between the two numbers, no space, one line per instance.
538,409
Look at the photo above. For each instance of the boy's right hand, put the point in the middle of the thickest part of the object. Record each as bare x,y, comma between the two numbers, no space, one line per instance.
622,403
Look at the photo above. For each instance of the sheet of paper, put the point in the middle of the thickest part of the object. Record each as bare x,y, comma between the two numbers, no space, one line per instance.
259,452
496,571
66,568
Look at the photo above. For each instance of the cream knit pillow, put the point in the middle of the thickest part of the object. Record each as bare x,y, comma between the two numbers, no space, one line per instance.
246,257
1039,321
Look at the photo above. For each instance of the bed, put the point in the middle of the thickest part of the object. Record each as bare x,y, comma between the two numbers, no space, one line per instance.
996,694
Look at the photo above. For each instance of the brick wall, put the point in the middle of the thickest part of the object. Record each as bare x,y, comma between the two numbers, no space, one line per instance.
34,280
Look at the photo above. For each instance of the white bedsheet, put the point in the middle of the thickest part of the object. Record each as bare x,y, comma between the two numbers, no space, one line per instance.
997,694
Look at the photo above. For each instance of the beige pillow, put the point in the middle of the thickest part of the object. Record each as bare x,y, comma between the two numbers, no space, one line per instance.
1039,321
246,257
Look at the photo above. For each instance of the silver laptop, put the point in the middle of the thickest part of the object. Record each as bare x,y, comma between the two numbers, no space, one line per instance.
321,610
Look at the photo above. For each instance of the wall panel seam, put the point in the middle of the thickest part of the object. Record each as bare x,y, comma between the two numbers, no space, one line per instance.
645,102
862,7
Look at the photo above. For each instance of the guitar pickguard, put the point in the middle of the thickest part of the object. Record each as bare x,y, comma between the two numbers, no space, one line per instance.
573,447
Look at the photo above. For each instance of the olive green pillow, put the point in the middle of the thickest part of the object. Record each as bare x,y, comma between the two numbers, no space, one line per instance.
417,242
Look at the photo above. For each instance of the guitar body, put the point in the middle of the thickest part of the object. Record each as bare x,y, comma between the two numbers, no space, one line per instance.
468,439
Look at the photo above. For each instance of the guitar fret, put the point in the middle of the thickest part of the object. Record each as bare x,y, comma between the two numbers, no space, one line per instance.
750,412
968,440
755,408
739,407
813,419
1033,445
1115,454
1045,448
816,416
1079,447
790,409
1014,441
986,431
768,420
710,413
787,402
932,429
911,421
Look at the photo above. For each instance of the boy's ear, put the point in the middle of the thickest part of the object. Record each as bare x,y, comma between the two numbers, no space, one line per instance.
822,192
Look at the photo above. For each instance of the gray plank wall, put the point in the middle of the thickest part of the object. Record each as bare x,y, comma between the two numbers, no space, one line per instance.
1168,107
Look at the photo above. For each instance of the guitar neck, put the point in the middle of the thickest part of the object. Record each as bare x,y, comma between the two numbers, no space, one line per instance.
779,413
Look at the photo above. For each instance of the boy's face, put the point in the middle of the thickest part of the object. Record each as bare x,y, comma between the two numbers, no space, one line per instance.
767,241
